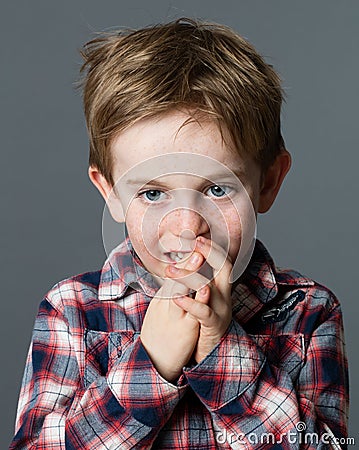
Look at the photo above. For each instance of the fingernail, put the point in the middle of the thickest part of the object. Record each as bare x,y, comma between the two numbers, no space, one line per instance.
194,259
200,242
203,291
173,269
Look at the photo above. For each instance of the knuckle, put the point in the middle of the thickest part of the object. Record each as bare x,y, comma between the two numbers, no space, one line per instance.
206,313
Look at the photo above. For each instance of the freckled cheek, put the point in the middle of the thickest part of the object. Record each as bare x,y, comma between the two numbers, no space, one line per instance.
143,231
234,230
133,224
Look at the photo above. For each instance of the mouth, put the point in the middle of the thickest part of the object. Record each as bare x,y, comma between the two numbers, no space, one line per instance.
175,257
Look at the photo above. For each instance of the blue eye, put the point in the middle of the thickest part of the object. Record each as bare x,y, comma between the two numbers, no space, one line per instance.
152,195
219,191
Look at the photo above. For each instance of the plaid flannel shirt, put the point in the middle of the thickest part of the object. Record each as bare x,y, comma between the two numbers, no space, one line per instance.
277,376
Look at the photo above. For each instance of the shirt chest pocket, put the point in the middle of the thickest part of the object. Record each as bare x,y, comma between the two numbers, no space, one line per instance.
285,351
102,349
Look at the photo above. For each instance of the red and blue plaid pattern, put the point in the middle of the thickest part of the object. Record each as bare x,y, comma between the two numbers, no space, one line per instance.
89,383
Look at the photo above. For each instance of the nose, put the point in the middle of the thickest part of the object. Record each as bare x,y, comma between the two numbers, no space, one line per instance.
184,223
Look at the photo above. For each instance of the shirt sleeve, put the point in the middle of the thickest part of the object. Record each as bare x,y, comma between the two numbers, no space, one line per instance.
122,410
253,402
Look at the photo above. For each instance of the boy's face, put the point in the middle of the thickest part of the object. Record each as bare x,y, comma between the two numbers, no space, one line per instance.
177,184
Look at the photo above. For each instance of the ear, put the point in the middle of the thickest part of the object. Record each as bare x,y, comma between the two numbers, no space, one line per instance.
108,194
273,180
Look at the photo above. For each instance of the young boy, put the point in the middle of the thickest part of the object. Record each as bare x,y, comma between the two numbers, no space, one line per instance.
189,336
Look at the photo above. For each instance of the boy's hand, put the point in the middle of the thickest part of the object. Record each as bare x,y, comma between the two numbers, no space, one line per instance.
169,333
212,305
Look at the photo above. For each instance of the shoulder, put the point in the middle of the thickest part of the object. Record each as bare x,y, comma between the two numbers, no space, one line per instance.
316,305
286,281
315,291
291,300
75,291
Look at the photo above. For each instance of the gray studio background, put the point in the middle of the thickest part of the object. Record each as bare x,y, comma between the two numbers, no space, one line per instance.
51,215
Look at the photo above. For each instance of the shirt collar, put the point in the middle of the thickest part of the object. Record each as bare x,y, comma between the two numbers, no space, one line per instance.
123,269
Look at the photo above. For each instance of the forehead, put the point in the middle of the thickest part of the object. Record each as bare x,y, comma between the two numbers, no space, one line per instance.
148,139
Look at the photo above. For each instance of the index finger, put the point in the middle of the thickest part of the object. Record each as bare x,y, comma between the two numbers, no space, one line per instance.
217,258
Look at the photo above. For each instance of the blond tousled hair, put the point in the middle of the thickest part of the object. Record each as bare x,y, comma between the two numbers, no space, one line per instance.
199,66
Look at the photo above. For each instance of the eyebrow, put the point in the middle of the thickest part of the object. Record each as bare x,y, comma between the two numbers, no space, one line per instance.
210,177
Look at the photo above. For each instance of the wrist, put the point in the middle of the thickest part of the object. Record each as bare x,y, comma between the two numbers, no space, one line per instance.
207,342
169,373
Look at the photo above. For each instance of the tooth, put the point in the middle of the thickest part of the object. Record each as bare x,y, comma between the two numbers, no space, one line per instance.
176,256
